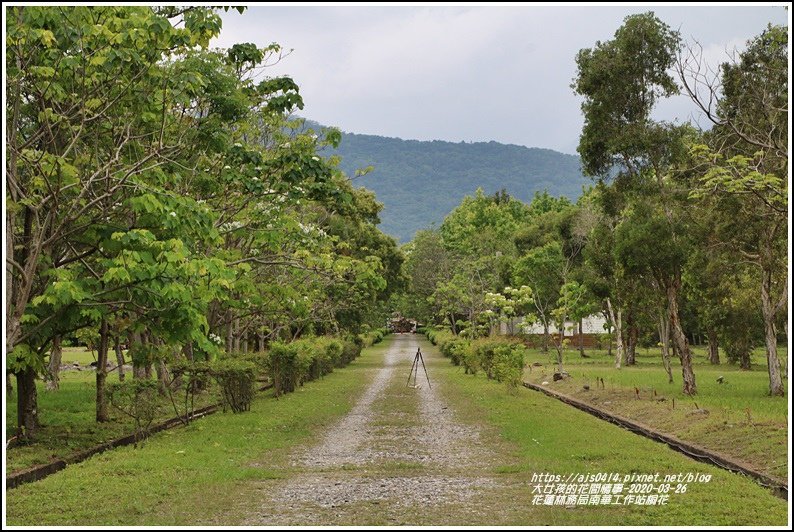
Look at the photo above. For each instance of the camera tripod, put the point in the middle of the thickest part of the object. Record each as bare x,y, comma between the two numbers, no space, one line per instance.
415,372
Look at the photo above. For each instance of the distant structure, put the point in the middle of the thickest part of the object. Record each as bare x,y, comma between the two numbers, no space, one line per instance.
593,327
399,324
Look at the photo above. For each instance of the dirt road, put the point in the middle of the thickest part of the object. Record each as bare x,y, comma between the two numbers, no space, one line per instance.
398,457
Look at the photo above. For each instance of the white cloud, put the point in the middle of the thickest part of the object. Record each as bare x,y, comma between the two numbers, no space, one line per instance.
463,73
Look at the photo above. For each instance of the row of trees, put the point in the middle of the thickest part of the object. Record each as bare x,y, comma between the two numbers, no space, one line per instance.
159,197
684,234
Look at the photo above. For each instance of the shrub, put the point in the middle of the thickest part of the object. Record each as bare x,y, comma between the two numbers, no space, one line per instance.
195,376
351,349
373,337
283,367
236,379
138,399
508,364
500,359
453,347
290,365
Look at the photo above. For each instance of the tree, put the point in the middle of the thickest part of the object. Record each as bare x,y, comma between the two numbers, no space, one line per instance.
746,158
621,80
427,264
573,304
87,117
543,270
156,190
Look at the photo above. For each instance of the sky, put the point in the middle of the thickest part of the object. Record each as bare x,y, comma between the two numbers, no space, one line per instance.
466,73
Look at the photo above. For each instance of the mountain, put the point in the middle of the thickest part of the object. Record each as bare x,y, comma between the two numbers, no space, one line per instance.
420,182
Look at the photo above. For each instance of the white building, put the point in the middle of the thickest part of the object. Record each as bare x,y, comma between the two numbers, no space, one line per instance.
593,324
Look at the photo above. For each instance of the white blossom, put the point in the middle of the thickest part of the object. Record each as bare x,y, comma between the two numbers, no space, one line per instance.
231,226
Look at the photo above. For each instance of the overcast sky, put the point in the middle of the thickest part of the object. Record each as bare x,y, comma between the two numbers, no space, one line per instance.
464,73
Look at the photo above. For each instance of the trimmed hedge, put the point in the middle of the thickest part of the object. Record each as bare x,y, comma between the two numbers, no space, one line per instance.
501,359
236,378
290,365
373,337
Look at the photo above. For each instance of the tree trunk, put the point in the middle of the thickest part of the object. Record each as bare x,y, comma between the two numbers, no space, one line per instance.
609,332
261,342
581,337
119,358
236,346
545,337
679,338
27,404
9,271
453,324
54,367
162,376
559,344
744,360
136,342
714,350
102,373
617,321
770,334
9,384
148,340
664,339
187,350
632,332
229,332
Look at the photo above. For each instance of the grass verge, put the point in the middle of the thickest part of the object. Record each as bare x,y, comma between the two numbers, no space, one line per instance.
188,475
547,436
68,420
734,417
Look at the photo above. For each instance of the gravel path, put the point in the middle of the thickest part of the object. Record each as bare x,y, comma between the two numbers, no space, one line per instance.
398,452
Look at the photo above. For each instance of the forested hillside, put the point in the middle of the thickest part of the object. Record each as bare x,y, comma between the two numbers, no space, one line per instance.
419,182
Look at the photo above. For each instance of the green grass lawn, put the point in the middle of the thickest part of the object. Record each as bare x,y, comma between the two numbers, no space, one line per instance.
68,418
549,436
83,355
188,475
210,472
740,420
740,389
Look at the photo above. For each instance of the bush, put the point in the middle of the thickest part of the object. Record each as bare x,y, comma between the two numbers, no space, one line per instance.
236,379
603,341
508,364
283,367
351,349
324,354
138,399
373,337
502,360
291,365
455,348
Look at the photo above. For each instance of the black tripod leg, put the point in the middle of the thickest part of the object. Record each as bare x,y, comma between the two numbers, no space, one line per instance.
423,367
412,372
